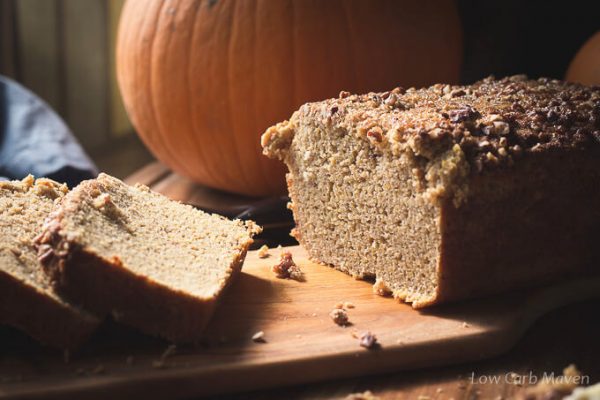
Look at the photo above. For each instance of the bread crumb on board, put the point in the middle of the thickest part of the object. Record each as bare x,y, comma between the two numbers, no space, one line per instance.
339,316
368,340
381,289
345,305
263,252
366,395
259,337
287,268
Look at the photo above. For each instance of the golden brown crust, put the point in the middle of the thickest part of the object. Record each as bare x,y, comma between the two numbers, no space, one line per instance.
105,286
534,114
531,225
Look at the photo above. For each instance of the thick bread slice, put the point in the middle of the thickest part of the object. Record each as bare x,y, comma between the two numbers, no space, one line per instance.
155,264
27,300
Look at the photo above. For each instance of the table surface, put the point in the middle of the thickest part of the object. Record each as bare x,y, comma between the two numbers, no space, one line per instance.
569,335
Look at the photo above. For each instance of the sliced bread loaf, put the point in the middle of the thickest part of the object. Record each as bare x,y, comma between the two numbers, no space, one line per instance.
448,192
27,300
155,264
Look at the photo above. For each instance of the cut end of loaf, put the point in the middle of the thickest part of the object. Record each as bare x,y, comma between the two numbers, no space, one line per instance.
153,263
359,209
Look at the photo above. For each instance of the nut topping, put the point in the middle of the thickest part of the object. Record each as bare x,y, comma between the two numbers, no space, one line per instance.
368,340
375,135
287,268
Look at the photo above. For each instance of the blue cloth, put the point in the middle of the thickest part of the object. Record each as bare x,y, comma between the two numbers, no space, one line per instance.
35,140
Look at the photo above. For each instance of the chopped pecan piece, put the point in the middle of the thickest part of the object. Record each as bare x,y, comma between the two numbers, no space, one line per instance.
287,268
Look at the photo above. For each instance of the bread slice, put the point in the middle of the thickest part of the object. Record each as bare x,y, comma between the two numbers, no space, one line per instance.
448,192
27,300
153,263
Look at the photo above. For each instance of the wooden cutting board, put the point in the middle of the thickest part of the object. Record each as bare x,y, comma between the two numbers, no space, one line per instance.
302,344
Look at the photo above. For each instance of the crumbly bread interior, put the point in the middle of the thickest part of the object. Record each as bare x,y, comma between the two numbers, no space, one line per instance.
24,206
362,213
166,242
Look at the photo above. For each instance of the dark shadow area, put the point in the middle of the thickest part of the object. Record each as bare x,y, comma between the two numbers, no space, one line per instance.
115,347
241,311
537,38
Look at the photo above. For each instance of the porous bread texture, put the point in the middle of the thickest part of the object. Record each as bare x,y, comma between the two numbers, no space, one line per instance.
447,192
27,300
152,263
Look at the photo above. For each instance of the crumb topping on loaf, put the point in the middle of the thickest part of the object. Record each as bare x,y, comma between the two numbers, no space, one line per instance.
450,132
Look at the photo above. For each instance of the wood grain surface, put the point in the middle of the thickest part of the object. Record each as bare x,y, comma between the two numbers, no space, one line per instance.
159,178
302,344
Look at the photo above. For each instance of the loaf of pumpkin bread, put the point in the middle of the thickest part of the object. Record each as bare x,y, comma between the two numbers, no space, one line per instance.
448,192
27,300
154,264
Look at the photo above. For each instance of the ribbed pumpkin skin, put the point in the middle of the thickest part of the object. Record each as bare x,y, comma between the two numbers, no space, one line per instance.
202,80
585,67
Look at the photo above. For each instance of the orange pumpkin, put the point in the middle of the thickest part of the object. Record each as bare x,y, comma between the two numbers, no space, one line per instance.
201,80
585,67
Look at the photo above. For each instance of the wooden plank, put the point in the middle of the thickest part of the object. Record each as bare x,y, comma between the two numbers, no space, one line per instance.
182,189
302,343
86,62
148,175
38,49
567,335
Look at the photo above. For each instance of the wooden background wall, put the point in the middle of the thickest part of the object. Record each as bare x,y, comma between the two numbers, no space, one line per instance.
63,50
